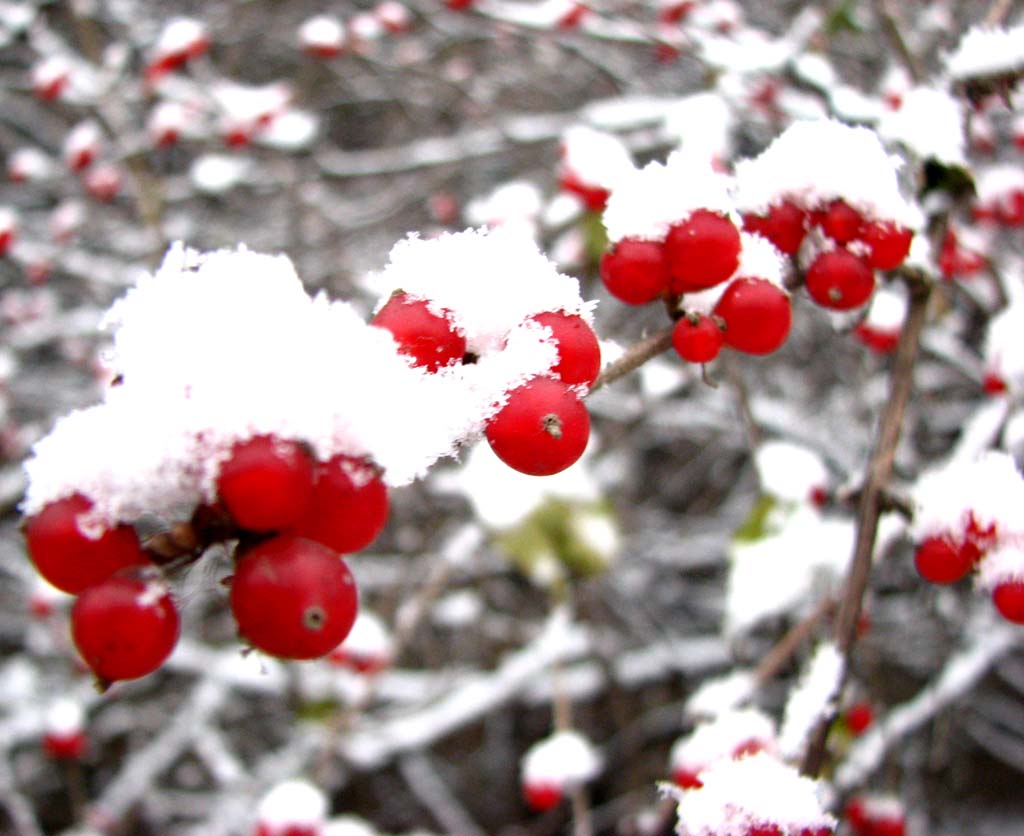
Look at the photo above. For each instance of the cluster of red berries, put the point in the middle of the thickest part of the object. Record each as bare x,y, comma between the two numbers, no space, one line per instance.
543,426
842,278
291,594
701,252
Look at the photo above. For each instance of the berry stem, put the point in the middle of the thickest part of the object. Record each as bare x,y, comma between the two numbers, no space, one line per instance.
636,355
878,473
886,15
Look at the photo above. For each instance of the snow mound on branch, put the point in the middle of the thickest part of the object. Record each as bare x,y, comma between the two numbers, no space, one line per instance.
721,694
930,123
812,699
565,759
214,349
652,199
757,791
702,124
730,734
1002,565
290,804
986,494
817,161
987,51
65,716
789,471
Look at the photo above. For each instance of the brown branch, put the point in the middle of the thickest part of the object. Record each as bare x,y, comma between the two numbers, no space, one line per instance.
783,651
997,12
636,355
879,471
891,28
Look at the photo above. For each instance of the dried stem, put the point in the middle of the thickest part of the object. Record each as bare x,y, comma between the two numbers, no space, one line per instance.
636,355
784,649
878,474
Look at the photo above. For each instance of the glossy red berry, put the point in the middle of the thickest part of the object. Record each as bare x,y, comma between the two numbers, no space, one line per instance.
595,198
785,226
266,483
67,557
69,746
703,250
542,429
635,271
1008,598
126,626
940,560
349,506
293,598
764,830
858,718
878,340
579,354
429,338
993,383
687,779
888,244
757,315
542,797
841,222
840,281
697,338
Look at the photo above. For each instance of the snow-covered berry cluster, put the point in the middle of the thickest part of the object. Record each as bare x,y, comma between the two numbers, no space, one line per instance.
967,517
733,734
279,424
876,815
556,766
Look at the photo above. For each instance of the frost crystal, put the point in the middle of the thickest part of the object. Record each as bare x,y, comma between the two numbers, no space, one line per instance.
756,791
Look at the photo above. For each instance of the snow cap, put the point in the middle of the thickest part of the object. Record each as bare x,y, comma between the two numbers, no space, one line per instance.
565,759
291,803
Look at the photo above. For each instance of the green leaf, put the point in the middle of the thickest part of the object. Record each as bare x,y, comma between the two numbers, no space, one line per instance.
756,525
842,19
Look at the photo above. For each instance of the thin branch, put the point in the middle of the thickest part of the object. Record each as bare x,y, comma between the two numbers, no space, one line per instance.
997,12
636,355
890,26
878,474
784,649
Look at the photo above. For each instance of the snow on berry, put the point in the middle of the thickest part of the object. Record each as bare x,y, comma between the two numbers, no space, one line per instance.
790,472
8,228
593,164
50,77
875,815
217,174
987,51
322,36
929,123
247,109
168,122
718,695
975,500
1000,195
348,826
64,734
82,145
294,807
28,165
731,734
368,646
1002,565
181,39
816,162
812,699
564,761
646,204
759,791
702,124
516,203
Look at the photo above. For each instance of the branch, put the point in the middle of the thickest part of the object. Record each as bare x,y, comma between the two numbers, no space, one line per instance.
890,27
636,355
878,474
997,12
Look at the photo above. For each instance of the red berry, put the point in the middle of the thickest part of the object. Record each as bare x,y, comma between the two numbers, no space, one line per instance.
635,271
764,830
687,779
1009,600
856,814
888,244
748,747
428,338
126,626
67,557
65,746
542,797
349,506
881,342
841,222
542,429
858,718
888,827
940,560
785,226
579,354
839,280
293,598
697,340
266,483
993,383
757,315
595,198
703,250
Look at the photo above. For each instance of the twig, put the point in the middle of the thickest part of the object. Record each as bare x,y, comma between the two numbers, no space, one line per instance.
636,355
426,784
784,649
878,473
891,28
997,12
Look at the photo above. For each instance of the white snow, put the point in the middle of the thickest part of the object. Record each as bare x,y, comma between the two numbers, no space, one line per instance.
720,738
292,130
517,202
179,36
652,199
701,124
755,791
85,137
887,310
348,826
64,717
565,759
1002,564
50,71
291,803
987,51
218,174
788,471
29,164
812,699
322,32
815,162
721,694
369,639
595,158
997,183
930,123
